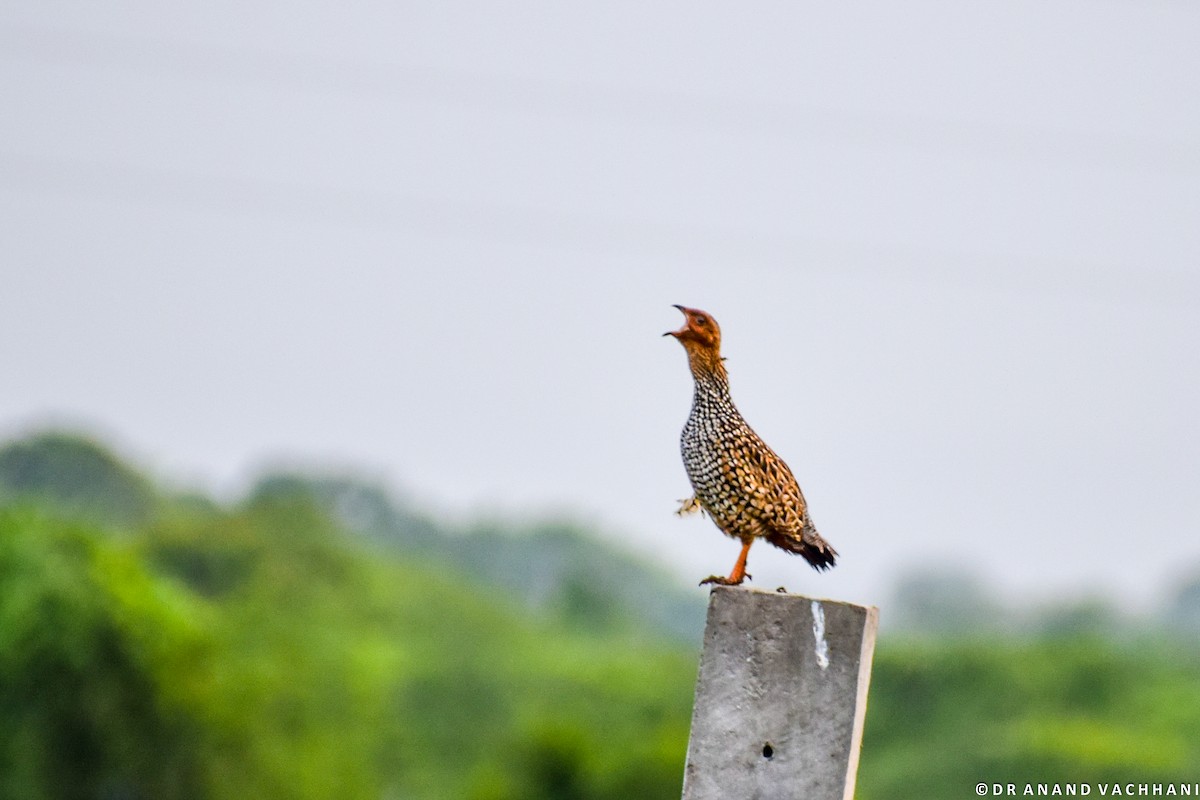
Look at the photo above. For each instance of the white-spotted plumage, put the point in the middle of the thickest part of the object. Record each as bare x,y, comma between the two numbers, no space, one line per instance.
744,486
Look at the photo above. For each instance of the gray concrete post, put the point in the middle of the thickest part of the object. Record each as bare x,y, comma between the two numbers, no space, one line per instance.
780,698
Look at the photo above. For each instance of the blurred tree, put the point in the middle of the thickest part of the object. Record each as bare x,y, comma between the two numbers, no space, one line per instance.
556,567
263,650
1085,617
944,715
82,646
1183,609
359,505
74,474
944,601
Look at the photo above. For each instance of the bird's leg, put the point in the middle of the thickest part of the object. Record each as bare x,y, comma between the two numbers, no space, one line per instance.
739,573
689,506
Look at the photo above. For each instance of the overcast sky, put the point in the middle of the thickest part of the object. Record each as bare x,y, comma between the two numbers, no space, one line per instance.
954,249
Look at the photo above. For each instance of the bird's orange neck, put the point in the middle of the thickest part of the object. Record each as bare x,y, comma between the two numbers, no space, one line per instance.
705,362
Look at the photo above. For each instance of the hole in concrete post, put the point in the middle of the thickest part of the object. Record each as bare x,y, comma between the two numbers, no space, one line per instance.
768,751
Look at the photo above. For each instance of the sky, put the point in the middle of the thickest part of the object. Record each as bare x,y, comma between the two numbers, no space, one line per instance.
954,249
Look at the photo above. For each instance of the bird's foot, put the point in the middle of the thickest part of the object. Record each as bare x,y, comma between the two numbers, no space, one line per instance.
689,506
721,580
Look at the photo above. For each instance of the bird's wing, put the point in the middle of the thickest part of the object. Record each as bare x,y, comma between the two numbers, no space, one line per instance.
772,503
763,478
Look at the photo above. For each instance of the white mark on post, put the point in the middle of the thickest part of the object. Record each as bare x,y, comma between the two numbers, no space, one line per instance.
819,634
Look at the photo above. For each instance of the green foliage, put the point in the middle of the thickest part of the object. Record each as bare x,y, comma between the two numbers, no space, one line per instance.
320,641
87,642
263,652
945,715
556,567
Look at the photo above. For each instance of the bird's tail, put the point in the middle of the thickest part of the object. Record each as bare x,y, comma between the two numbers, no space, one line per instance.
808,544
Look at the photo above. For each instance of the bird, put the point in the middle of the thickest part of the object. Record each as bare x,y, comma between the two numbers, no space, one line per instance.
739,482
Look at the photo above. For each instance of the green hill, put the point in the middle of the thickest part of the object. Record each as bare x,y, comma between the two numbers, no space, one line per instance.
554,567
75,474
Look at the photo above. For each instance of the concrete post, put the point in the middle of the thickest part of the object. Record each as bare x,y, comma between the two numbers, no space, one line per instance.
780,698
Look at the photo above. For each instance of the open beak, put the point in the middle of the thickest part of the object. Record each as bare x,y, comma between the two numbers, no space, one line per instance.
681,330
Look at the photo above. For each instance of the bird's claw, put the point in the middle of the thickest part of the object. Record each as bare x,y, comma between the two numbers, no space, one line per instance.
689,506
721,580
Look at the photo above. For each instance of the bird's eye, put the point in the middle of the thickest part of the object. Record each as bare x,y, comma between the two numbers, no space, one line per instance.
701,320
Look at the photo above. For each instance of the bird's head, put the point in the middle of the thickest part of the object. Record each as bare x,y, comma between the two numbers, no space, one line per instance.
701,337
699,330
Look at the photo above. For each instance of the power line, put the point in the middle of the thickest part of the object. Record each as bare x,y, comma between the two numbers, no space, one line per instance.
409,83
451,219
